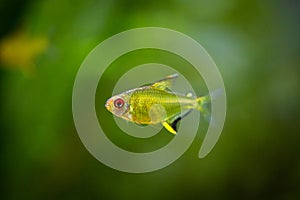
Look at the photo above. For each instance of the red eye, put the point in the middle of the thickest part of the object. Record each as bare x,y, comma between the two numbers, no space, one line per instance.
119,103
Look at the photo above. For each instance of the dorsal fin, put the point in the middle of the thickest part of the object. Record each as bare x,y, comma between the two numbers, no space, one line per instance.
165,83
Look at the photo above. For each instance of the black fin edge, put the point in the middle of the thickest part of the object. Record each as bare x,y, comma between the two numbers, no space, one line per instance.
175,122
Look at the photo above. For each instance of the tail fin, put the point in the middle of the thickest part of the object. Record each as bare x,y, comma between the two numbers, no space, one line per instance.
204,106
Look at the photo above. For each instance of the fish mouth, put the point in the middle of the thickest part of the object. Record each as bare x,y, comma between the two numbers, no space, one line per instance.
108,104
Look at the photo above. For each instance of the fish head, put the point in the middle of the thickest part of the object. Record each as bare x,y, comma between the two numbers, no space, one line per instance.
119,106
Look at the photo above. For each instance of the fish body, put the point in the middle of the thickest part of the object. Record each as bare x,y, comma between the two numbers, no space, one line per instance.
155,103
148,104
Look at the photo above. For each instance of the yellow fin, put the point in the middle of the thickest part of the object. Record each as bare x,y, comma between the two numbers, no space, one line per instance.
165,83
169,128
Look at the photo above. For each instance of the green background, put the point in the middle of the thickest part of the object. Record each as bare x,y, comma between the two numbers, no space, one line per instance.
256,46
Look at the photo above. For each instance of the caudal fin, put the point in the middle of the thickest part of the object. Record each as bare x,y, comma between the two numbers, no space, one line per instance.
204,106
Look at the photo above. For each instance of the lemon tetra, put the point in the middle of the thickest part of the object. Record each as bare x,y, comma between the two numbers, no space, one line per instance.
156,103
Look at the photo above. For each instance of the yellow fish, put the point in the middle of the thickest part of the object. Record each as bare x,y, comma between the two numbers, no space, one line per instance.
156,103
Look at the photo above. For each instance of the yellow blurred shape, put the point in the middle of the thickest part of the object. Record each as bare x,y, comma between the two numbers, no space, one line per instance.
20,50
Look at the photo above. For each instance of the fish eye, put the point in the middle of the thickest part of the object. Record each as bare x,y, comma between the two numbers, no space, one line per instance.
119,103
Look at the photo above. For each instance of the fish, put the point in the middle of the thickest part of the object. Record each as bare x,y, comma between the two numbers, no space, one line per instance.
156,103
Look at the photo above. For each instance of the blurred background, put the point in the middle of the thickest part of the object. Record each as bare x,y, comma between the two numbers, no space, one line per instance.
256,46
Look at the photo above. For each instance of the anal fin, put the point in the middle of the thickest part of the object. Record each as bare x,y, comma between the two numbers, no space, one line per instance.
169,127
174,121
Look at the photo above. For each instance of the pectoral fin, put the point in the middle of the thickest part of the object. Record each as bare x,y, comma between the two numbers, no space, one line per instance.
141,125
